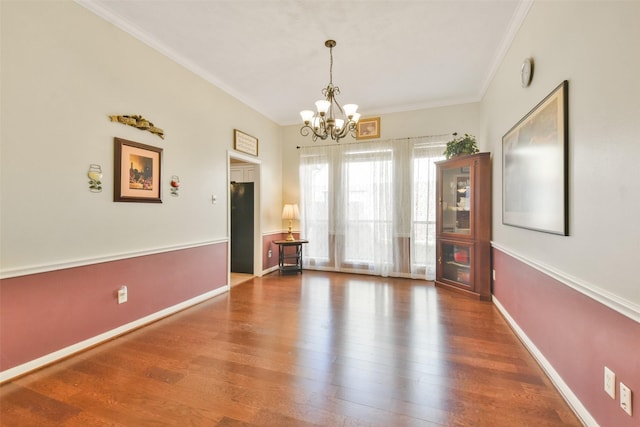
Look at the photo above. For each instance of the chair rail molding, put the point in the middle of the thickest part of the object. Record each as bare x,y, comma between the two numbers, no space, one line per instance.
80,262
614,302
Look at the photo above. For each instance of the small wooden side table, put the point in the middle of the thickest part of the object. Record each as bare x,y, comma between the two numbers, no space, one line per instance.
290,261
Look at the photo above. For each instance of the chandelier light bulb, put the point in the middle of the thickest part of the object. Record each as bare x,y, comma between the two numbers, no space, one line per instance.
306,115
350,109
323,106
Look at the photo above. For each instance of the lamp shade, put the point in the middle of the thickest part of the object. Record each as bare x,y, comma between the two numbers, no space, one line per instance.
290,212
323,106
350,109
307,115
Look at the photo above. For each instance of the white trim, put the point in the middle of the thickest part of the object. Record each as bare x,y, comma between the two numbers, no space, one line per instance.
83,345
283,231
566,392
270,270
514,26
614,302
137,33
44,268
233,154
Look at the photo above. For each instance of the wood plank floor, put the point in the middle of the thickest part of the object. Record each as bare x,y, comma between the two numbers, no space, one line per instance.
318,349
238,278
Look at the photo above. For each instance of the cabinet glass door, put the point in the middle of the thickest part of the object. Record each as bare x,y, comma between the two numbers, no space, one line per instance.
456,200
456,262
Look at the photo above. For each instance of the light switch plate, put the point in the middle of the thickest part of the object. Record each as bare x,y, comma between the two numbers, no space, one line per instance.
122,295
610,382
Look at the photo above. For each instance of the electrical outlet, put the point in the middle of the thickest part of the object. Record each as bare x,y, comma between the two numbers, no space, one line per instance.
610,382
625,398
494,274
269,253
122,295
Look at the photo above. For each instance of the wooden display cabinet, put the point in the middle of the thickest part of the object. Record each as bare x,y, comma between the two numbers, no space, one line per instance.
463,225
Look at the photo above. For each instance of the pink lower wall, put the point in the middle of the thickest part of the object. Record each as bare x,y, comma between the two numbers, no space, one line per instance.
267,262
46,312
576,334
267,244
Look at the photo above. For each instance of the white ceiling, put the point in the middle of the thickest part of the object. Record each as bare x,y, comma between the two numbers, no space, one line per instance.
391,55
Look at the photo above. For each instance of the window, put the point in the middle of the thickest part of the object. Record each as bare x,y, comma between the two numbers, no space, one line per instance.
368,192
370,207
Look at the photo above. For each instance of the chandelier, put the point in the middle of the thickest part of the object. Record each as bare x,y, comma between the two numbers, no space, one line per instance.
331,120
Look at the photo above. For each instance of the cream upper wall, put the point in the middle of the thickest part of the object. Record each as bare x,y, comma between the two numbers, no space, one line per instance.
595,46
434,121
64,70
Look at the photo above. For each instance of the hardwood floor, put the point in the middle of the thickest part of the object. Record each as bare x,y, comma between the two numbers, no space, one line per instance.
238,278
318,349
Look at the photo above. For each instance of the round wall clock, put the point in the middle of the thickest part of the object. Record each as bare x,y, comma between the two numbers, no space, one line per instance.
526,72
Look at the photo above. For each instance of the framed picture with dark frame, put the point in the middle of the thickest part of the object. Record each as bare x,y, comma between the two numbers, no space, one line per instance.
137,172
368,128
535,167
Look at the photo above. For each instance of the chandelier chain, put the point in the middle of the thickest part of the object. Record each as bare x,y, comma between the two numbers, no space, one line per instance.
331,66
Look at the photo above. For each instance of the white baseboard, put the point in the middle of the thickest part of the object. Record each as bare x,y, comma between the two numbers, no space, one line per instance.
83,345
553,375
270,270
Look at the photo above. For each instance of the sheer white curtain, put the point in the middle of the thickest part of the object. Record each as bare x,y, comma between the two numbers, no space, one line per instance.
370,207
423,231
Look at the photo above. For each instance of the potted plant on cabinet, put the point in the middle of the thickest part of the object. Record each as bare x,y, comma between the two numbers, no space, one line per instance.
460,146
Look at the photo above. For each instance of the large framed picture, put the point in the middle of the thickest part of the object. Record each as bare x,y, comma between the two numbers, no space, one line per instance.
534,167
137,172
368,128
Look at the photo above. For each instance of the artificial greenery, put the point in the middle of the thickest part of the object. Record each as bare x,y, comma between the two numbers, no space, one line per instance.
460,146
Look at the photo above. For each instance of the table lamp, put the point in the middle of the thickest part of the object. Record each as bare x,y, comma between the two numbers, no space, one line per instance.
290,212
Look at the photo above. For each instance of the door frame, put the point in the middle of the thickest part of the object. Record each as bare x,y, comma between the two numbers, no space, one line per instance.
257,229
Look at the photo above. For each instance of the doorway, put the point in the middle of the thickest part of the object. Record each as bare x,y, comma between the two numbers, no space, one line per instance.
244,249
